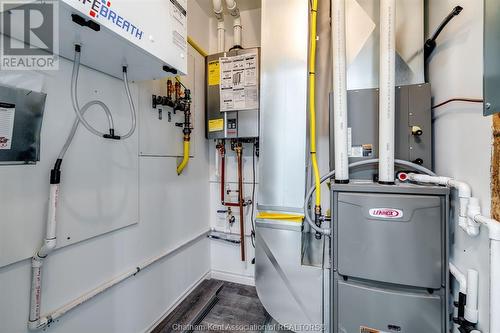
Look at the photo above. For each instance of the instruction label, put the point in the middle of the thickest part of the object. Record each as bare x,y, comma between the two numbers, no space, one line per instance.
365,150
7,116
239,80
179,15
216,125
214,73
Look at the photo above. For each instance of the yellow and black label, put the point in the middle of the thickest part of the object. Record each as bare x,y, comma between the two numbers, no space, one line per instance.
214,73
216,125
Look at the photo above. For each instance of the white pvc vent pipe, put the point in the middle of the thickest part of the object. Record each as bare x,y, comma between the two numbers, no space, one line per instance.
232,7
387,90
221,30
340,90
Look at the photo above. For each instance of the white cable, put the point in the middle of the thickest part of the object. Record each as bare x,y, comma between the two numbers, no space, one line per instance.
329,175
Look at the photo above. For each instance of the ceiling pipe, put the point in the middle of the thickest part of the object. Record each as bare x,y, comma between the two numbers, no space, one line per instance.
233,9
221,29
340,91
387,88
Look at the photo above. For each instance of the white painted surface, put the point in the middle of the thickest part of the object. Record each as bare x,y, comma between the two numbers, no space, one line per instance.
462,135
100,178
166,220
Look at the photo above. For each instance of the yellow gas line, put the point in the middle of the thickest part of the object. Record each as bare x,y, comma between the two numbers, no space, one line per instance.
197,47
185,158
312,102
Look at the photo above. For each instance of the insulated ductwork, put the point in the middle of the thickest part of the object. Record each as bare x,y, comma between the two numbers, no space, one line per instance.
221,30
387,90
232,7
340,91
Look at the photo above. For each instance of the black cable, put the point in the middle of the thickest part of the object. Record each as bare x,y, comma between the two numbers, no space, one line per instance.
431,44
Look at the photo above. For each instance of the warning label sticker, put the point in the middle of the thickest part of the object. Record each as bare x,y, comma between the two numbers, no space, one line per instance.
239,78
7,116
214,73
216,125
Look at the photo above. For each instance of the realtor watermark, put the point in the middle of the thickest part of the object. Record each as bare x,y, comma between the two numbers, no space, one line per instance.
30,35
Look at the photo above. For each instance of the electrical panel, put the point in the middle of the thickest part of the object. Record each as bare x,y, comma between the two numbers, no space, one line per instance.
21,115
233,93
413,136
390,262
150,37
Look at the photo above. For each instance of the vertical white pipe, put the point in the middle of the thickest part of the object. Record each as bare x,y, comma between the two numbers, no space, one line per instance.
340,91
36,291
237,31
494,285
221,30
460,277
221,37
51,215
471,312
387,90
233,9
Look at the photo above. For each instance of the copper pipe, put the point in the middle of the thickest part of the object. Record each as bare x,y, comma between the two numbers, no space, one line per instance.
239,153
222,149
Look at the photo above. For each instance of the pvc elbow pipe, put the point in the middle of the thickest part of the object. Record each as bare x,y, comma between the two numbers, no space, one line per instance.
232,7
340,90
217,4
185,159
387,86
460,277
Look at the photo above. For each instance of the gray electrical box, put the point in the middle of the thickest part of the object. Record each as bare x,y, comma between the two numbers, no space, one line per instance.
21,115
413,126
389,258
232,94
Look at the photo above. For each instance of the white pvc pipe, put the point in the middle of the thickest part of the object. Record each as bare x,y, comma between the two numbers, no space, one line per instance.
387,88
221,30
237,30
221,37
47,319
340,90
232,7
471,312
460,277
464,194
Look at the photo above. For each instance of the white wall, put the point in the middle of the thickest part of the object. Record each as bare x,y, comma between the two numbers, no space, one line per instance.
462,142
166,221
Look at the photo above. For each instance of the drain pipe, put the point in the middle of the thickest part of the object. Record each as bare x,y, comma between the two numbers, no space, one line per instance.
387,90
221,29
494,235
474,221
232,7
340,92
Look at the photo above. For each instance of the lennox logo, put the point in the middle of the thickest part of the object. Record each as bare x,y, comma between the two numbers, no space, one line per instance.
387,213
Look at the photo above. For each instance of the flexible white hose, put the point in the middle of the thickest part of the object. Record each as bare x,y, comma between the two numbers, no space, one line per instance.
329,175
387,110
80,111
340,90
74,100
133,113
